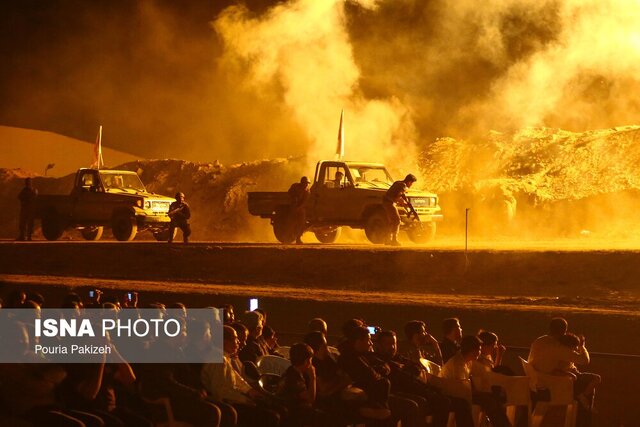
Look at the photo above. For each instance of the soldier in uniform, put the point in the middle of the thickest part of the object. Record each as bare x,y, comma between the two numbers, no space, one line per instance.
299,193
27,199
179,213
395,195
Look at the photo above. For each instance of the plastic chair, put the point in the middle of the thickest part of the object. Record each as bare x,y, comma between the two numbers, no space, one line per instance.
268,383
561,394
516,389
284,351
431,367
271,364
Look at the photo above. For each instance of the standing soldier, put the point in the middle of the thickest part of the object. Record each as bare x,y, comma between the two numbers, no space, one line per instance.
179,213
396,195
299,193
27,199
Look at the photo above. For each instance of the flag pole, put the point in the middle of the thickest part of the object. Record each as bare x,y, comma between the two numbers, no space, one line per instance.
340,147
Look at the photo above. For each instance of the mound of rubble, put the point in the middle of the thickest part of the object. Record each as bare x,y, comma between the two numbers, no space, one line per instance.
539,182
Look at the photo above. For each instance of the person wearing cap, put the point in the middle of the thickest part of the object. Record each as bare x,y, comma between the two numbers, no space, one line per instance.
179,213
395,195
299,194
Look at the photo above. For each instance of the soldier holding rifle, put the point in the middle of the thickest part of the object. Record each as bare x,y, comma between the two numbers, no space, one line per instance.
396,196
179,213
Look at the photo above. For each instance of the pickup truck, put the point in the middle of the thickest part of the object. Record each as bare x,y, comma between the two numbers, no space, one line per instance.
354,201
100,198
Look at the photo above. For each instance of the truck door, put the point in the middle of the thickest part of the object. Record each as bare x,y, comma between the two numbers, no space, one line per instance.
331,193
88,197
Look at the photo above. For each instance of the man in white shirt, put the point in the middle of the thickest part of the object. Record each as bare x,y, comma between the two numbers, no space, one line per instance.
225,384
547,353
459,366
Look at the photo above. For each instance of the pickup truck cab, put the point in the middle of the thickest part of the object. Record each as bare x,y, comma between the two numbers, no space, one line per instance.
353,200
99,198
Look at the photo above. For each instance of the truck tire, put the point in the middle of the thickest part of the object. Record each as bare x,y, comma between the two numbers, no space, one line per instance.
328,234
422,234
124,227
163,235
52,227
377,227
92,233
282,227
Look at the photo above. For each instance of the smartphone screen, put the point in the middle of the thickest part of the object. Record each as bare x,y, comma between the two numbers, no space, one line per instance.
129,296
253,304
92,294
372,330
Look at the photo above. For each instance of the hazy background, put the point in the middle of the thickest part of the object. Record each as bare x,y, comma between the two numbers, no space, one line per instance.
203,80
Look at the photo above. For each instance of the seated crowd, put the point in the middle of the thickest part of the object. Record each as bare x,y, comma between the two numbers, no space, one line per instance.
371,376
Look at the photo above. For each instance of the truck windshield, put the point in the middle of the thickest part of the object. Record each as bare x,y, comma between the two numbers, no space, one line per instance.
121,181
376,175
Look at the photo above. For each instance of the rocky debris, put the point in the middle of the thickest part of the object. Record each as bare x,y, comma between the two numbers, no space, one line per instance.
539,181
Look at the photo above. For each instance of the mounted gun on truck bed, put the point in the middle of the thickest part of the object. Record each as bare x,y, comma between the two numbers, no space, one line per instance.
354,200
105,198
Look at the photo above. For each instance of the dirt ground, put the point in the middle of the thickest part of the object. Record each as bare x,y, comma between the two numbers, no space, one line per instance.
513,292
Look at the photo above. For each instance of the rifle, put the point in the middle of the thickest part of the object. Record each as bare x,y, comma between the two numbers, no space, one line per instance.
175,211
412,211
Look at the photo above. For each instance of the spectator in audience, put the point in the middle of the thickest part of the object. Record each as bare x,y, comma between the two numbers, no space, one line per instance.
255,347
405,377
459,366
168,380
548,354
225,384
335,392
229,314
491,354
417,337
242,333
271,340
319,325
298,389
450,344
585,385
37,298
16,299
371,374
28,390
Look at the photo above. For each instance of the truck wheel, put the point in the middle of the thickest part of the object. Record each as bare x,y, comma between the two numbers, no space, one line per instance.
422,234
92,233
282,227
124,227
377,228
327,235
51,226
163,235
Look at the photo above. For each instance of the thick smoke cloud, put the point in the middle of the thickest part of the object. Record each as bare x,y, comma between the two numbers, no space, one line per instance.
409,71
300,54
237,81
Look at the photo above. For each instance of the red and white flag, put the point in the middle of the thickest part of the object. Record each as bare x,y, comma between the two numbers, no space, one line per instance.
340,147
97,151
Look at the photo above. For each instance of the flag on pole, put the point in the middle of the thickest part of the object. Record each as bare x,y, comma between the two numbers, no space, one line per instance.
340,147
49,166
97,151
